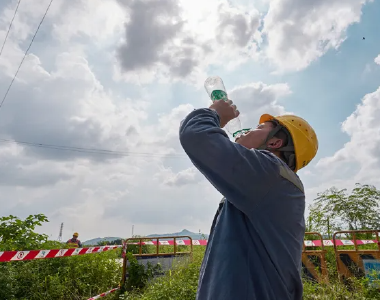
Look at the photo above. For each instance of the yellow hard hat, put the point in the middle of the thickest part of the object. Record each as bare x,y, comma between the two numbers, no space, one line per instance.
76,234
303,136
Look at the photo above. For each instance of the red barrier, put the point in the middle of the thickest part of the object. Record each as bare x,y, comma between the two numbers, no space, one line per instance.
104,294
54,253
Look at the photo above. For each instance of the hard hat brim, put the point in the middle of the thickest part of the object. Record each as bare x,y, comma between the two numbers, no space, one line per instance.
266,118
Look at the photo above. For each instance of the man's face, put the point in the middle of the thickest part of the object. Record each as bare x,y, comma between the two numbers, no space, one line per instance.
256,137
74,237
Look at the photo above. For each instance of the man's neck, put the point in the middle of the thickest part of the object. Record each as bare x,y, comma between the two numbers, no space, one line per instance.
279,154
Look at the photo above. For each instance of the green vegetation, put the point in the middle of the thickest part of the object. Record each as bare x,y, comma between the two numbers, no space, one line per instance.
139,275
59,278
67,278
19,234
80,277
335,210
181,284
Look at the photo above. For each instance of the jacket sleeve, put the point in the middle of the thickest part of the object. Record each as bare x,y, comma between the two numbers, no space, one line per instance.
238,173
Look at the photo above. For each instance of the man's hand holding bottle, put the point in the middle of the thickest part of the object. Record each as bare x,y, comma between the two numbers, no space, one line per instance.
226,111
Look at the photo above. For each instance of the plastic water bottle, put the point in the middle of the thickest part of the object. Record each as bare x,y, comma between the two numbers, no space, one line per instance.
216,91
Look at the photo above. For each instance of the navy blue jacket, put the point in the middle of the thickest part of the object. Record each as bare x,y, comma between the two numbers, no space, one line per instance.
254,250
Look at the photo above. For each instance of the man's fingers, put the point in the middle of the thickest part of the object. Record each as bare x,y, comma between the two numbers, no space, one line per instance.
234,108
226,109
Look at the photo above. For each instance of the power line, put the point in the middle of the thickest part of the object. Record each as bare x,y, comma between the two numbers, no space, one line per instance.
9,29
26,52
92,150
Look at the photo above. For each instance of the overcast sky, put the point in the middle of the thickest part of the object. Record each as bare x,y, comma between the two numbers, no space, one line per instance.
121,75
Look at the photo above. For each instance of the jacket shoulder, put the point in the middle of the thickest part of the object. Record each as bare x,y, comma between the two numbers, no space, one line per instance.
284,171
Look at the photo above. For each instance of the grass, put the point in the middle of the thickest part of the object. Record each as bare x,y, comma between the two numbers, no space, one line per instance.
181,284
80,277
66,278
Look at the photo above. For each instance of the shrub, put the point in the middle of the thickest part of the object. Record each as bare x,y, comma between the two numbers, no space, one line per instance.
77,277
181,284
65,278
138,274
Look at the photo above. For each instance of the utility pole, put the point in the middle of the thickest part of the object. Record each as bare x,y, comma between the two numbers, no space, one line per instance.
60,233
133,226
328,227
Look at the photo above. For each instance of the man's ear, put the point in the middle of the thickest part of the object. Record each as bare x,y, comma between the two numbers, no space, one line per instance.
275,143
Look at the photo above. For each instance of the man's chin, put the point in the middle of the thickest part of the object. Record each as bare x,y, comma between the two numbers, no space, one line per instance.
244,143
241,142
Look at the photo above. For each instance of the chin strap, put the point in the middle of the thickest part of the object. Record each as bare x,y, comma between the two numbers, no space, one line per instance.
287,151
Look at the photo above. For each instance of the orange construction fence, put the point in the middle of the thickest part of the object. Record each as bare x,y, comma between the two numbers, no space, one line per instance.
350,263
314,265
157,254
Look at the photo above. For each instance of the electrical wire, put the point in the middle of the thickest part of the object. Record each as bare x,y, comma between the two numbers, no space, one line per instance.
26,52
92,150
10,26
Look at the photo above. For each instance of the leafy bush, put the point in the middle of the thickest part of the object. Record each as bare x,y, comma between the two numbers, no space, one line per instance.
138,274
19,234
77,277
179,283
66,278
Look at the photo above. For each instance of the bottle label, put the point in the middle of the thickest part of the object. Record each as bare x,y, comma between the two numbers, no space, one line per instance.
240,132
219,95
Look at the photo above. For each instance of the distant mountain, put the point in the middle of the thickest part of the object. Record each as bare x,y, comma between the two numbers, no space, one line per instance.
97,240
193,235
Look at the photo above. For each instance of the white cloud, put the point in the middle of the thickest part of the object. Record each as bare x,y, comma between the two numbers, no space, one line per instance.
377,59
184,177
171,40
80,112
190,36
360,157
69,106
99,21
357,161
64,95
258,98
299,32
